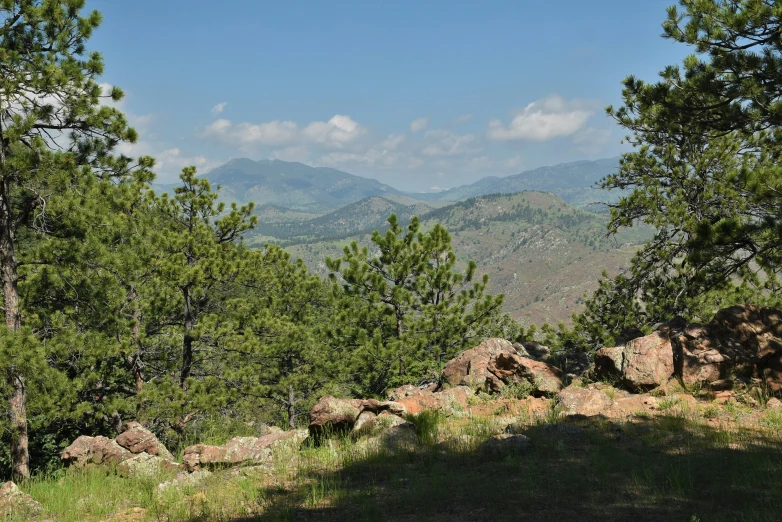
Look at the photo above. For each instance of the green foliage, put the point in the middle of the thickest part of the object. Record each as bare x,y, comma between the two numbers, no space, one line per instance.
704,172
518,390
427,425
404,311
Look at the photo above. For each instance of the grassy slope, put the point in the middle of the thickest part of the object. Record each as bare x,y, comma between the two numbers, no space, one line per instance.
544,263
714,463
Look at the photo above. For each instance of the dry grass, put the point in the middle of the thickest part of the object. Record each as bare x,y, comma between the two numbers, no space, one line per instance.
710,463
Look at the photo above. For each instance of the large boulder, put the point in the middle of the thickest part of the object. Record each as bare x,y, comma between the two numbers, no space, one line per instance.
447,400
642,364
595,401
333,415
241,450
184,479
137,439
134,440
535,350
510,368
94,450
146,465
495,363
471,367
744,339
15,503
588,402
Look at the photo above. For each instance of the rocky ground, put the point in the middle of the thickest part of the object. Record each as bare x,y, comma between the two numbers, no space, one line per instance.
682,424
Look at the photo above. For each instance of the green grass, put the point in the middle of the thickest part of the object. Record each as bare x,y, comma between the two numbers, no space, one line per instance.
666,467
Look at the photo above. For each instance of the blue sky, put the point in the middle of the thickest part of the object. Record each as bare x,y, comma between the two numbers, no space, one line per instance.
420,95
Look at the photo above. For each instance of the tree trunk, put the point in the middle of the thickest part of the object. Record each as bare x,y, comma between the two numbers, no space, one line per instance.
187,345
399,332
291,408
20,455
136,362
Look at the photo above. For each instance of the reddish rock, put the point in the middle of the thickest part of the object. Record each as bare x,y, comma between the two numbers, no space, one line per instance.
94,450
642,364
446,399
240,450
471,367
137,439
335,415
595,401
744,339
403,391
510,368
331,415
583,401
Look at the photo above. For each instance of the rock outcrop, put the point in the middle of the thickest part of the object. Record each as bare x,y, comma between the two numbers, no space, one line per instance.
510,368
137,439
745,341
602,400
642,364
94,450
446,400
241,451
14,502
495,363
333,415
471,367
136,450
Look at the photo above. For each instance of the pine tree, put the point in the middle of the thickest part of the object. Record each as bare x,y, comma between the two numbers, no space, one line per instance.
268,341
200,255
705,173
405,310
54,134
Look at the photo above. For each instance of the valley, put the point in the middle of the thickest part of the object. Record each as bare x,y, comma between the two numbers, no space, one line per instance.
542,253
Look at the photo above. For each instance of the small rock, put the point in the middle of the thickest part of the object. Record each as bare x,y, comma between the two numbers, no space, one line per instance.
14,502
364,423
146,465
506,443
241,450
185,479
773,403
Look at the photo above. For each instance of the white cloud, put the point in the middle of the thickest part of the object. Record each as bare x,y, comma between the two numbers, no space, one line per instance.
542,120
217,109
436,189
419,124
443,143
172,160
336,133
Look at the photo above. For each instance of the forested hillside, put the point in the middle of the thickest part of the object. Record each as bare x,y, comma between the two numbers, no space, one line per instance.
541,253
159,318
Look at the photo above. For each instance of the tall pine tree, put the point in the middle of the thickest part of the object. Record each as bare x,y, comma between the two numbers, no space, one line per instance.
54,135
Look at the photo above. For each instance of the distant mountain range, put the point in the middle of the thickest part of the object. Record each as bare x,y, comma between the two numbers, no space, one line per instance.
293,185
533,232
320,190
367,214
541,252
573,182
